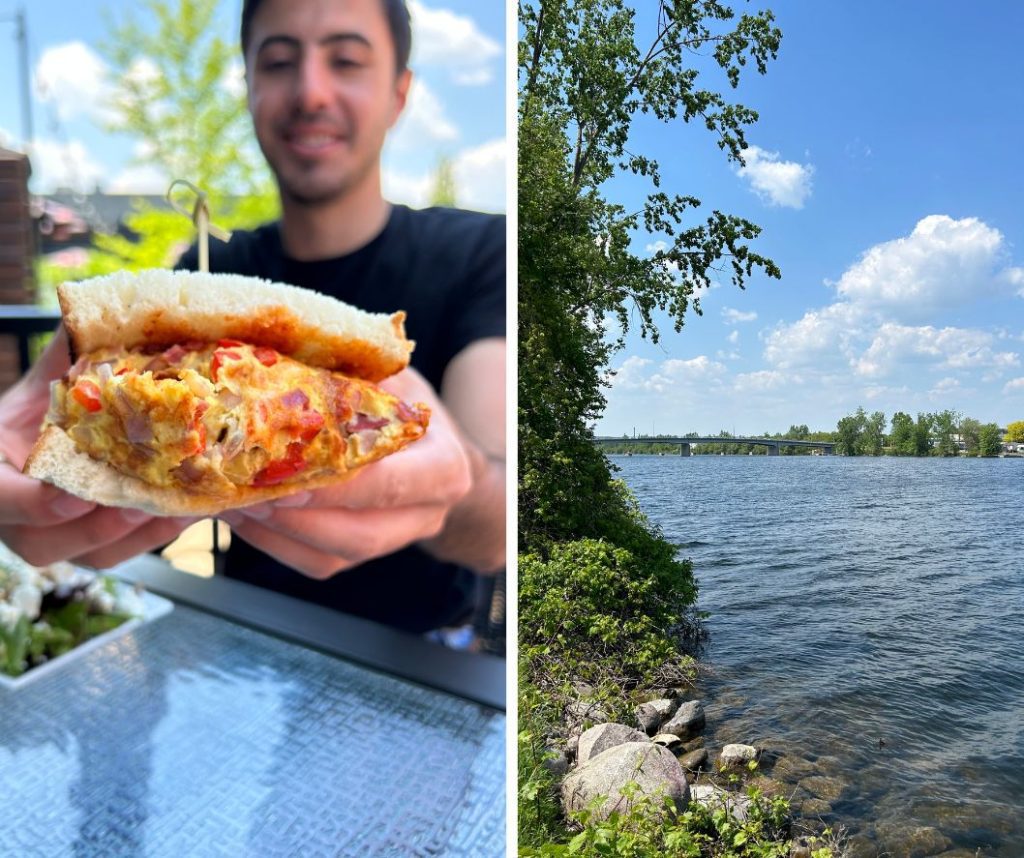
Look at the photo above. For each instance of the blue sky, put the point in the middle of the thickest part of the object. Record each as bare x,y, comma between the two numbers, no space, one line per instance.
456,106
886,174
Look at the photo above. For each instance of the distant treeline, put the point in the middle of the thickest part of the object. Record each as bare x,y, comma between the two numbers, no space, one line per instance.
942,433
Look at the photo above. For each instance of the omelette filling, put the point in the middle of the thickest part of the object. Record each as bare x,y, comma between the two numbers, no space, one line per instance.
212,417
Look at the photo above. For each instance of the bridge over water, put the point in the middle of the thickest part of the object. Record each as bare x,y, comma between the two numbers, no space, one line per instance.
774,445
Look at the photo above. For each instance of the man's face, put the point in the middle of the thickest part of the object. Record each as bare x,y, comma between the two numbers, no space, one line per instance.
323,92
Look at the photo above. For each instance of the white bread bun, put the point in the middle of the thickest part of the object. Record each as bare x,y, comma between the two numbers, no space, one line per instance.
157,307
55,459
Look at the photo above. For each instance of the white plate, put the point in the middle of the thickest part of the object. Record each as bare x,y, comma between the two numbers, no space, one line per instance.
154,607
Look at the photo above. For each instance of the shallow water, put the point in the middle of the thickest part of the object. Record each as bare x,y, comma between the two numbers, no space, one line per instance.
867,628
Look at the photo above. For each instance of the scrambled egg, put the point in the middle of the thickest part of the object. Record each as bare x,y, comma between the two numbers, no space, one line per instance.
209,417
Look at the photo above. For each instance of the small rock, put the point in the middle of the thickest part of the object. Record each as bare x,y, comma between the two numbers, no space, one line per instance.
572,745
815,807
792,768
653,768
687,722
695,760
737,755
605,736
555,762
713,797
586,710
830,789
912,841
667,740
653,713
769,787
693,744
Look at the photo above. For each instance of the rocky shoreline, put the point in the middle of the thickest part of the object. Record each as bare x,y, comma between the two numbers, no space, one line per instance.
666,751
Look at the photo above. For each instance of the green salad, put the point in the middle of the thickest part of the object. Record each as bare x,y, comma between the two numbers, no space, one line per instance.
46,611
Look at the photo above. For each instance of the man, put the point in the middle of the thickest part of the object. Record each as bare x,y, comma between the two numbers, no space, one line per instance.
326,81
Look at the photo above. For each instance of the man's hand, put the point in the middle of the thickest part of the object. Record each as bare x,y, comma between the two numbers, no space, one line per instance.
42,523
387,505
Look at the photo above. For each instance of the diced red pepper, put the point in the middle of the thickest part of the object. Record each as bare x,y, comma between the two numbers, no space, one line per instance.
266,356
87,394
123,370
229,344
280,470
219,357
309,425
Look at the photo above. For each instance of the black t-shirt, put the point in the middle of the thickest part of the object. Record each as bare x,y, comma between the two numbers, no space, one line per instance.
446,269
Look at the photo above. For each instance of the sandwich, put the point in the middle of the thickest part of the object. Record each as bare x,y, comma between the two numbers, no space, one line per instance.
193,393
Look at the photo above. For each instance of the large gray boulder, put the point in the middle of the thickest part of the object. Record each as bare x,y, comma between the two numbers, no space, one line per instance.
604,736
654,769
652,714
688,721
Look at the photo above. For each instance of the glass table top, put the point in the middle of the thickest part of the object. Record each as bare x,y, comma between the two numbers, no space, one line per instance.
194,736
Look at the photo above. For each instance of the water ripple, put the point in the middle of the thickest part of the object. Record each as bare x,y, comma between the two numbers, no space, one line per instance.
867,619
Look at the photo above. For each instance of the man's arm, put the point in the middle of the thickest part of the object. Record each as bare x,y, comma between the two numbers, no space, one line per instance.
473,390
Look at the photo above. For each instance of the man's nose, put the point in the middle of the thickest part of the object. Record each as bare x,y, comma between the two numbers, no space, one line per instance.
314,85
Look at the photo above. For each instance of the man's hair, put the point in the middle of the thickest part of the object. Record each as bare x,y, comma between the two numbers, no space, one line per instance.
396,12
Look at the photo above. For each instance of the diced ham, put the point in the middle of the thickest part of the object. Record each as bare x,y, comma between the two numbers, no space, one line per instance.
365,421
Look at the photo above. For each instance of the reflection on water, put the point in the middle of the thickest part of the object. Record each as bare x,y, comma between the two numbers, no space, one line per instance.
867,621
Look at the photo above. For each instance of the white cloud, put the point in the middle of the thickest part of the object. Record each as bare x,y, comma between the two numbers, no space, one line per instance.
942,263
776,182
945,387
140,179
734,337
443,38
1014,385
479,180
63,165
822,338
423,121
734,317
480,176
765,379
74,77
672,374
895,346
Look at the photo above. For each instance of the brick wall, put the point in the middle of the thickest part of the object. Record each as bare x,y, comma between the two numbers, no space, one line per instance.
17,249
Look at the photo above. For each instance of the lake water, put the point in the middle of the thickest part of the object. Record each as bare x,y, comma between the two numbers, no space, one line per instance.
867,628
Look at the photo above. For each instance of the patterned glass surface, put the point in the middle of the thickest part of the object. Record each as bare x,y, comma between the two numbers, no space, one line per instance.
193,736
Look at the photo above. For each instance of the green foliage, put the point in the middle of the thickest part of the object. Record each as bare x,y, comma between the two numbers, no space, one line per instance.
444,192
989,438
652,829
590,611
538,809
176,90
584,78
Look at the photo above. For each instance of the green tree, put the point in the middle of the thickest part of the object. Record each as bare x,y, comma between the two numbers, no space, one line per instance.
1015,432
923,434
902,437
585,74
946,426
873,437
850,432
970,434
989,438
443,192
